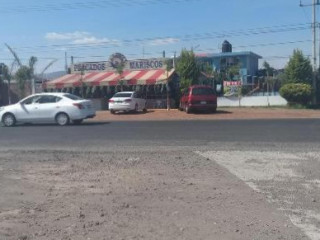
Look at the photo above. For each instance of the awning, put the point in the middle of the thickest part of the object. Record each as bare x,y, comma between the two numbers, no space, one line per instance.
141,77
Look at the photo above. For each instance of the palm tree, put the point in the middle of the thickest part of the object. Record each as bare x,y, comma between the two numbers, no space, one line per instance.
119,70
46,68
26,73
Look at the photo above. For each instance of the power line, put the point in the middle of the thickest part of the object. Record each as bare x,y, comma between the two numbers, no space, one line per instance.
185,38
87,5
200,50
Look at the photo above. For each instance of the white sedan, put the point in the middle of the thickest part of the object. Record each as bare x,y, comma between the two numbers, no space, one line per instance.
127,101
61,108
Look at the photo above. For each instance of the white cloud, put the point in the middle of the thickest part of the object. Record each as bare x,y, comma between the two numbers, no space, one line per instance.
164,41
93,40
67,36
81,38
61,49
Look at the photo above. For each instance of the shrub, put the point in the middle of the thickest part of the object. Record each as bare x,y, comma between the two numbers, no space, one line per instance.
299,93
245,90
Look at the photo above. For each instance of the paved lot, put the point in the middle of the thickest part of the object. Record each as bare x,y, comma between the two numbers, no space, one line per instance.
222,113
139,194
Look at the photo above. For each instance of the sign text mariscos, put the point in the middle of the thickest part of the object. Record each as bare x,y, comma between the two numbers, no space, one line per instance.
146,64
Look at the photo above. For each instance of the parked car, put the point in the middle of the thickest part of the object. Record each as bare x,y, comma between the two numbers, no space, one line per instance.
198,97
61,108
127,101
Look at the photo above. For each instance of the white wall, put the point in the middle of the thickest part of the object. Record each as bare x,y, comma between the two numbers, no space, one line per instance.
253,101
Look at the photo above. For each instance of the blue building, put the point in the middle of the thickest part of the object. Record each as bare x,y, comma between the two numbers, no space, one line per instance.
248,62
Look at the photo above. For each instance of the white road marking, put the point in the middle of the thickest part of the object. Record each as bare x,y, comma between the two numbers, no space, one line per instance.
275,174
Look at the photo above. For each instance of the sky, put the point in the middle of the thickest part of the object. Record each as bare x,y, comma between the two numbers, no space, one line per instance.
93,30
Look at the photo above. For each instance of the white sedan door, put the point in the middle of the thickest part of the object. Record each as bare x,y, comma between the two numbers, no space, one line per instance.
27,109
47,106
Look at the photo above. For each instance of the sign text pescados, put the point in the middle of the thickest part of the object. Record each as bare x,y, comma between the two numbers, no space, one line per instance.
92,66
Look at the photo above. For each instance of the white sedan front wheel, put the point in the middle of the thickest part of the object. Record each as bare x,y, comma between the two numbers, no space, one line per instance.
62,119
9,120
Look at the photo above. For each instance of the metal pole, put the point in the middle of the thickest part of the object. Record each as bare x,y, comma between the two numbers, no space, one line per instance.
314,50
314,47
66,62
33,86
9,95
167,88
314,38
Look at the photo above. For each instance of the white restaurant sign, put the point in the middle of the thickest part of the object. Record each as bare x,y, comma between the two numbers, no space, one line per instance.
118,59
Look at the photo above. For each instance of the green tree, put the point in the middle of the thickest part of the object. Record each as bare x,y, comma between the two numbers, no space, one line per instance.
22,75
185,83
268,69
298,69
188,69
269,79
208,71
232,72
7,75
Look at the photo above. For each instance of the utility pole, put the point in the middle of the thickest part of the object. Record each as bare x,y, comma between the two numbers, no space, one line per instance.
66,62
314,43
314,34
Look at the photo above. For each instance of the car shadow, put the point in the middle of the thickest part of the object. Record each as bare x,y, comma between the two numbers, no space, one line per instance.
133,113
93,123
223,112
211,113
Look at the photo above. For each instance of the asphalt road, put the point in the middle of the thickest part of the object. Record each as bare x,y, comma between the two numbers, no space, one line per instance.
153,133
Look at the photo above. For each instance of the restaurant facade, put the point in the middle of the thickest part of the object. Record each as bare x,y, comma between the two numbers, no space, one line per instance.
99,81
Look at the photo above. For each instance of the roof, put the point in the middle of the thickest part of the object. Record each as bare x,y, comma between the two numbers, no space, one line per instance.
228,54
140,77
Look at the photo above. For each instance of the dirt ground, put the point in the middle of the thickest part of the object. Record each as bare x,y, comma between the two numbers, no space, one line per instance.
130,195
222,113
